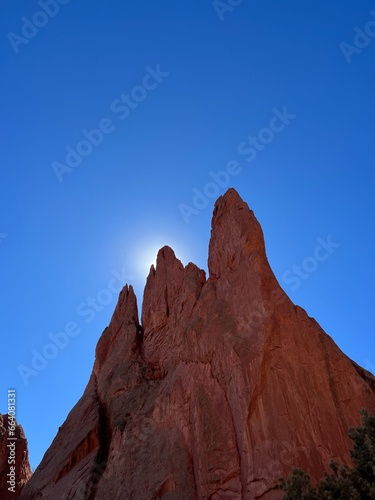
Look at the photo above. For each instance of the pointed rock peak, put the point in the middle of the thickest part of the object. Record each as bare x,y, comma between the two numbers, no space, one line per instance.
162,287
236,234
126,306
227,205
127,294
232,197
166,261
165,254
120,334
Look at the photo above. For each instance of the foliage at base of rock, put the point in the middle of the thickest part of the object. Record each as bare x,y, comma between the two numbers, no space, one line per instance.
342,483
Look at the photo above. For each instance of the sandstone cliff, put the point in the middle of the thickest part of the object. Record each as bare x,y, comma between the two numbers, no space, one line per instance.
13,453
223,386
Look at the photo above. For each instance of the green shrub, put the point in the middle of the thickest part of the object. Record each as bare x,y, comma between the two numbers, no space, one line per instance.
342,483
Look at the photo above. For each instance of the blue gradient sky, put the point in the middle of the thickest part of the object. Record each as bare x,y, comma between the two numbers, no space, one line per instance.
60,242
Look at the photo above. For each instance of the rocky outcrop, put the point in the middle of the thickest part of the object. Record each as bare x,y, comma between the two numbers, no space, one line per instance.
14,459
222,387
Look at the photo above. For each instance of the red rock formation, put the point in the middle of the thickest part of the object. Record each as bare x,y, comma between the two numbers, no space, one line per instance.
224,387
13,453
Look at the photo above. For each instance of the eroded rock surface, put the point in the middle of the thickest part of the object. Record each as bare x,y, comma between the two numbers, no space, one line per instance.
13,453
222,387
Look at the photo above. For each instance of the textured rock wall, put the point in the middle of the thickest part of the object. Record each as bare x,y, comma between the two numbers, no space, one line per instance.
19,460
223,387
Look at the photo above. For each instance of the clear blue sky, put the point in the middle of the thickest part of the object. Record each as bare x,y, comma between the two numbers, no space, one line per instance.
179,90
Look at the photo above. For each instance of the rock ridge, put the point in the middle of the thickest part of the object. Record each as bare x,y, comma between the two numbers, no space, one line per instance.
223,386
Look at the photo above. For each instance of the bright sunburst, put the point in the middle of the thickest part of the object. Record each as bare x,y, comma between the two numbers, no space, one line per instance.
146,255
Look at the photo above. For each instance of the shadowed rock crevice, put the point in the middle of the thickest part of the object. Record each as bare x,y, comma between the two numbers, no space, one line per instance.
365,375
85,447
105,437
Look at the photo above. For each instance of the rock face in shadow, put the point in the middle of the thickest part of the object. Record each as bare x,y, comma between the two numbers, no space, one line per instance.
13,453
222,387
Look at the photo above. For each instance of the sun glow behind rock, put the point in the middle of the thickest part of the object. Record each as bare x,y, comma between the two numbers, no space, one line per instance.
145,255
147,258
